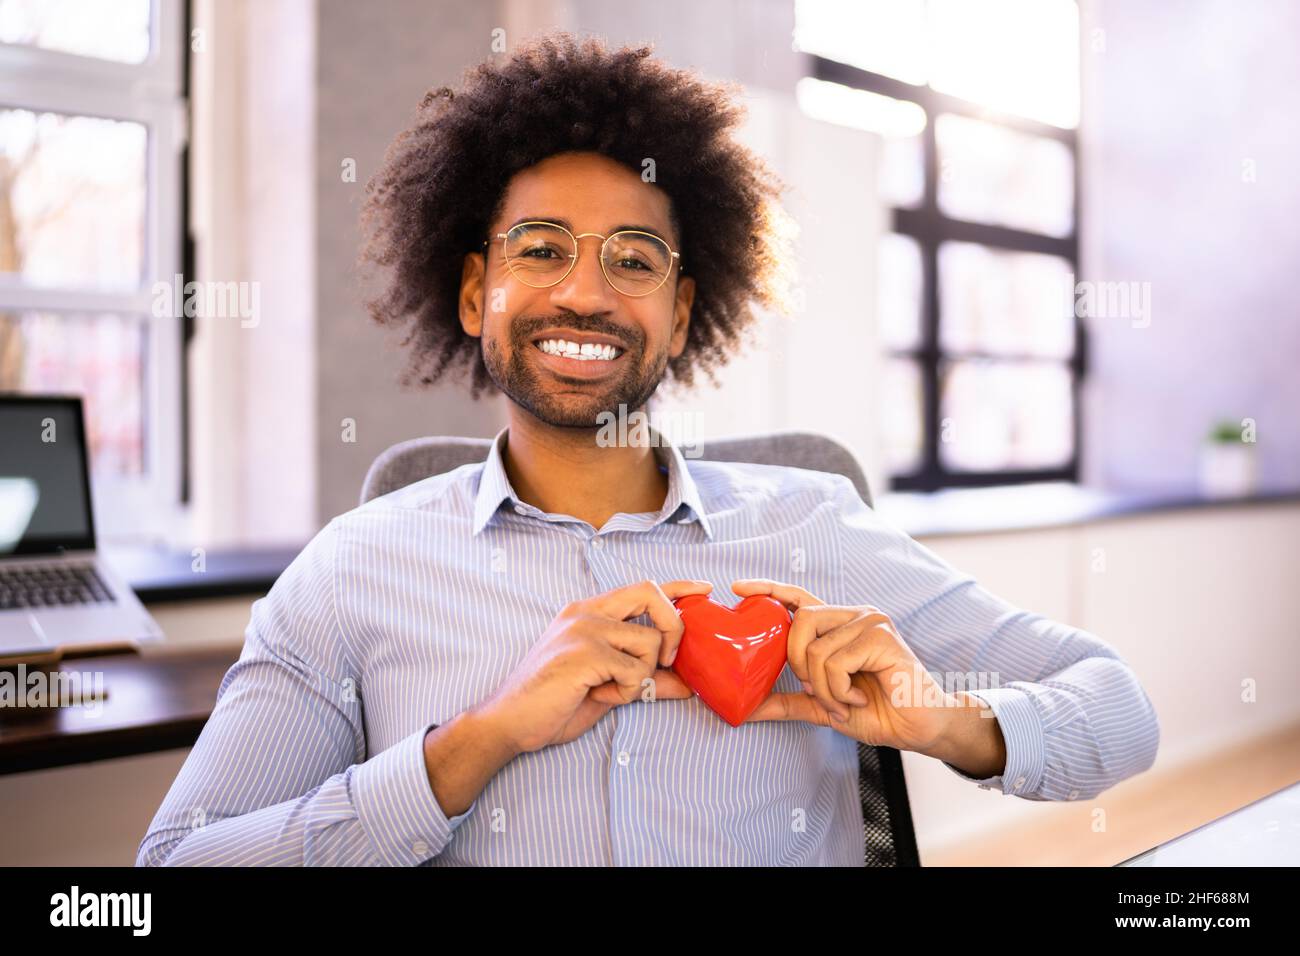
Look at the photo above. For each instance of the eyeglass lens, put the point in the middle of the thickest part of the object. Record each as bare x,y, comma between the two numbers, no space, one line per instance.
540,254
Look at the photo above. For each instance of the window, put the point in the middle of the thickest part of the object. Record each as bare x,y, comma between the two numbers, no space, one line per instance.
977,102
92,130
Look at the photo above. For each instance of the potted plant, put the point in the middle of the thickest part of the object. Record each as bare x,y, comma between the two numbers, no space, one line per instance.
1227,461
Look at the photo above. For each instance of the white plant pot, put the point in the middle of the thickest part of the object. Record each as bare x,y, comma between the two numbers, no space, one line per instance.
1227,470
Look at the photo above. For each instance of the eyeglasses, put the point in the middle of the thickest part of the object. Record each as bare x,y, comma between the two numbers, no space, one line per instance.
542,254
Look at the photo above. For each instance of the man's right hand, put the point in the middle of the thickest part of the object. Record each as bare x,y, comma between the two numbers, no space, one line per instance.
589,660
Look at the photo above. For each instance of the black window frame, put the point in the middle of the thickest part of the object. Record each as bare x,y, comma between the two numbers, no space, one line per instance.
929,227
189,269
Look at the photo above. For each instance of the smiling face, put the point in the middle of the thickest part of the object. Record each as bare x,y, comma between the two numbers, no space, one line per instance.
527,333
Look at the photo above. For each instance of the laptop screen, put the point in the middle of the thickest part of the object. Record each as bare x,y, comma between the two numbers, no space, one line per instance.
44,495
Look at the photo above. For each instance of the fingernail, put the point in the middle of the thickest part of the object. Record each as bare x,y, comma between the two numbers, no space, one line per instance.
840,716
807,687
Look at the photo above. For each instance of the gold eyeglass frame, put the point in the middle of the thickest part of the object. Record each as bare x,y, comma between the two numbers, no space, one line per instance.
573,256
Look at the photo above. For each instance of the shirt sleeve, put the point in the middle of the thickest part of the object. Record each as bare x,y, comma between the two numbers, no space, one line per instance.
280,775
1075,719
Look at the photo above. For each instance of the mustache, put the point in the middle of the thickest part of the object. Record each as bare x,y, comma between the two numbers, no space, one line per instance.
525,328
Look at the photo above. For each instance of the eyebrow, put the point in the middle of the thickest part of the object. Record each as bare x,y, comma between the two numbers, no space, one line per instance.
559,221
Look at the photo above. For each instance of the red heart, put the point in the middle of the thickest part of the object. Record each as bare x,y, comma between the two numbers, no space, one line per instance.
731,657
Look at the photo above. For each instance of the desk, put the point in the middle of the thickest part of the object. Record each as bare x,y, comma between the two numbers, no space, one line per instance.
1263,833
157,699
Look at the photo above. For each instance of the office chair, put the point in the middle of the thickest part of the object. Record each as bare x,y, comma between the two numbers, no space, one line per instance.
888,836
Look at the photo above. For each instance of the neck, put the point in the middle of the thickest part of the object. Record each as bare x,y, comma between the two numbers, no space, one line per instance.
564,471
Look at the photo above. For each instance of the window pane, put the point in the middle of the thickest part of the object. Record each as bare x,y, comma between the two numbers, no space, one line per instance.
991,174
1017,56
900,397
1004,415
1005,303
98,357
75,191
898,286
901,177
883,36
104,29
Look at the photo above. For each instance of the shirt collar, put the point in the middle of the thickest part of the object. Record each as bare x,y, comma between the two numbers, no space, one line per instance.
494,485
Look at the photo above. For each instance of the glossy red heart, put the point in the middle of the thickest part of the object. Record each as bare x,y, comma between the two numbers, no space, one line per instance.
732,657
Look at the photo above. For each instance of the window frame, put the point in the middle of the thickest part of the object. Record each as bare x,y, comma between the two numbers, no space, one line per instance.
929,227
152,93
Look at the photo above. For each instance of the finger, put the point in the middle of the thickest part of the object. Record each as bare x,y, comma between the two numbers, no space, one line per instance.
867,653
646,597
606,695
673,590
609,693
637,640
809,623
791,595
680,588
666,684
791,707
818,653
627,672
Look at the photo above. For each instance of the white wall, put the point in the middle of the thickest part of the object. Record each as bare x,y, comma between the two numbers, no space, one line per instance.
252,416
1189,145
1195,601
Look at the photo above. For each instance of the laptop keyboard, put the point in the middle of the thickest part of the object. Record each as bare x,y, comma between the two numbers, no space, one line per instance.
52,586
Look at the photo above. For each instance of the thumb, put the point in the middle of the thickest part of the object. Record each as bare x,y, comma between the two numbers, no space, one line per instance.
791,707
609,693
667,686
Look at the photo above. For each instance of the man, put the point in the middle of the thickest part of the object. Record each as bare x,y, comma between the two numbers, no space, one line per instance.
475,669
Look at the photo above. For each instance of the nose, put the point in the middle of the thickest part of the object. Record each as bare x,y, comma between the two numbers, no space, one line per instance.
584,290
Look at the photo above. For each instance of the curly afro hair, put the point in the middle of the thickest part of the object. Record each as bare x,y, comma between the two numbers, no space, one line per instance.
443,181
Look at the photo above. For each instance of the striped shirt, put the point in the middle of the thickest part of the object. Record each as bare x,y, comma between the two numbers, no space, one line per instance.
417,605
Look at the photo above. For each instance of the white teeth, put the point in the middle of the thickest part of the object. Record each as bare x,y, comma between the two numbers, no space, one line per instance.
583,353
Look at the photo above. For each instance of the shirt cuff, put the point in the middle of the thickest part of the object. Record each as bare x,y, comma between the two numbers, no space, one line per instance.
396,805
1022,731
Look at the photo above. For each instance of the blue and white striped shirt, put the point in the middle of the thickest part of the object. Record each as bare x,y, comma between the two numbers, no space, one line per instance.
417,605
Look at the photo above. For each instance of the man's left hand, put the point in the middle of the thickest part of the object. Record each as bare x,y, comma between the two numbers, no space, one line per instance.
862,679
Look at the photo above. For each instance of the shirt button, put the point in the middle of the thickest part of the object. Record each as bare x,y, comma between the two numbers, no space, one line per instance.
1074,793
598,543
624,758
1020,782
985,786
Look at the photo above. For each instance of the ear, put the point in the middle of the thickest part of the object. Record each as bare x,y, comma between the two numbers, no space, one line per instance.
681,315
472,294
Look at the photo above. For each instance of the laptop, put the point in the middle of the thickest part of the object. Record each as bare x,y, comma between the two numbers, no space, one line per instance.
55,591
